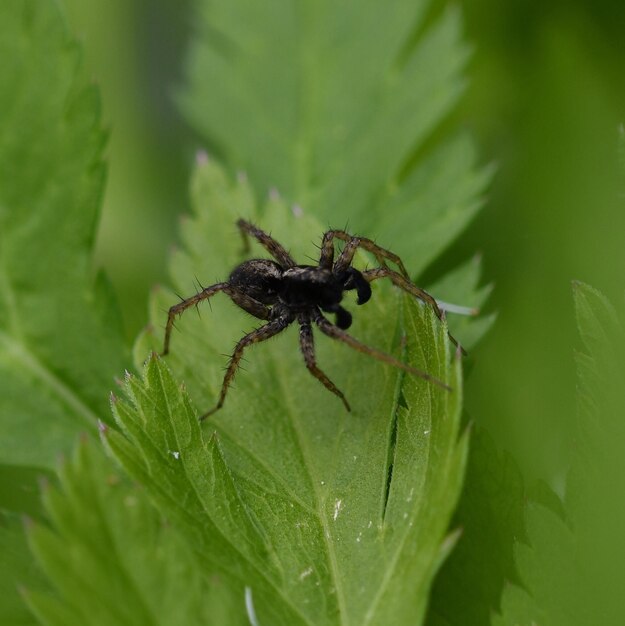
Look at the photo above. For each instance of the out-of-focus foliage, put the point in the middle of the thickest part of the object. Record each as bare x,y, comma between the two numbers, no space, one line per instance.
546,99
572,569
331,104
490,513
60,335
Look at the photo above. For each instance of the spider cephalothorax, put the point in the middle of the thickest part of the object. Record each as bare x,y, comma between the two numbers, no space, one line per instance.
281,292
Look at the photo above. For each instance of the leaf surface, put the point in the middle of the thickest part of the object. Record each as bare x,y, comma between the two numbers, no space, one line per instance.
60,334
283,488
572,568
113,560
17,572
333,105
491,515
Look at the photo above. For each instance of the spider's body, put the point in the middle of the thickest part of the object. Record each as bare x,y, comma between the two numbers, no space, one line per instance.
299,288
281,292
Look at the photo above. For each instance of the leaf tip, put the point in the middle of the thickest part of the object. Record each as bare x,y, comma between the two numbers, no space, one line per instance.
213,439
274,194
102,427
450,541
201,157
44,483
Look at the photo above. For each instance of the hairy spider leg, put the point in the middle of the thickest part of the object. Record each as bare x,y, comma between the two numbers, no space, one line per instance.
249,304
253,307
382,255
269,243
335,332
307,345
260,334
405,284
181,307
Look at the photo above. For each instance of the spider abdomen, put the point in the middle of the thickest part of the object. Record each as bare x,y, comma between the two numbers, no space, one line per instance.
259,278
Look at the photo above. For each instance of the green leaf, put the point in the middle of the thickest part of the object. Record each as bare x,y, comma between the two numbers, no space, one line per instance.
621,156
294,496
573,567
17,571
60,337
113,560
333,104
490,513
550,574
462,285
19,489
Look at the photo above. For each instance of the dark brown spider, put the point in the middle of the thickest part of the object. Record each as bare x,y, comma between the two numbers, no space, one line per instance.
282,292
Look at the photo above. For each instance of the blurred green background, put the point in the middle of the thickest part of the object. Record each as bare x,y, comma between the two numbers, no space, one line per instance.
545,102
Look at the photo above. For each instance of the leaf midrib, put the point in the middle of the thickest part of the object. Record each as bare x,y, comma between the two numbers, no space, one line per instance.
332,557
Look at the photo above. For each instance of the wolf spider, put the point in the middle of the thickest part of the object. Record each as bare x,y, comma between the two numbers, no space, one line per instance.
281,292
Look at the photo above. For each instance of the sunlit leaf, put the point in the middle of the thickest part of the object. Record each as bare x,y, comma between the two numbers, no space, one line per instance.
293,494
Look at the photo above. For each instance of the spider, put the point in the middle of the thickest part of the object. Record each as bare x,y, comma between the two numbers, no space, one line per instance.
281,292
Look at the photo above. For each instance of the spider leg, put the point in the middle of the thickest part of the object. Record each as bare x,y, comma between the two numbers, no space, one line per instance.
306,342
260,334
382,255
269,243
249,304
181,307
404,283
335,332
343,317
253,307
326,259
